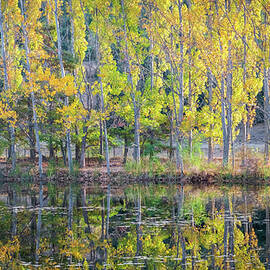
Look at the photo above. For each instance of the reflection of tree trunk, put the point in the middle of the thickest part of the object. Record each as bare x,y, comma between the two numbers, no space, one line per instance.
39,223
138,227
213,263
70,208
231,237
228,234
33,224
12,199
180,202
180,237
267,237
226,227
84,211
172,242
183,246
65,199
102,219
192,251
108,210
246,216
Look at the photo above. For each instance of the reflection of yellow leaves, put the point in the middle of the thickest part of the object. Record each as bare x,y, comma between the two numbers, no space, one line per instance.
8,250
71,246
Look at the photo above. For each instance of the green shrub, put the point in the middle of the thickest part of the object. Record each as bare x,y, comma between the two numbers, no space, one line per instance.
51,169
151,167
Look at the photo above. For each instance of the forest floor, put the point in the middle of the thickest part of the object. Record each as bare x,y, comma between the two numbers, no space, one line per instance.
162,170
96,174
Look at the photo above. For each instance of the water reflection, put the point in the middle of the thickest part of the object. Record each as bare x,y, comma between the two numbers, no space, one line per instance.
136,227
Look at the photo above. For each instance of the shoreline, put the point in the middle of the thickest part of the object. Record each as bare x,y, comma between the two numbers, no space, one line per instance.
125,178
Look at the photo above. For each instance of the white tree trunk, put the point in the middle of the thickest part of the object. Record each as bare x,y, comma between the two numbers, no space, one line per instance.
136,106
6,87
266,113
59,42
181,84
36,128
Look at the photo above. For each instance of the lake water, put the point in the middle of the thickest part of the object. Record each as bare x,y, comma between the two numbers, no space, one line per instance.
134,227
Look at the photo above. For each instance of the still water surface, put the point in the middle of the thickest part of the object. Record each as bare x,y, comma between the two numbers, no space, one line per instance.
134,227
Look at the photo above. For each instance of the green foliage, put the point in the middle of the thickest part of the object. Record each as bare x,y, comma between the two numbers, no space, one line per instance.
193,157
52,168
151,167
195,208
152,147
4,143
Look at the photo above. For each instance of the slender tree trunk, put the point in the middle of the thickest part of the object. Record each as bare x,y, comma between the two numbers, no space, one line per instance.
171,136
232,150
151,54
31,133
224,125
36,128
100,137
190,135
136,106
266,114
6,87
181,82
125,150
210,97
83,147
63,150
51,148
59,42
77,147
229,100
244,138
105,131
103,107
176,135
